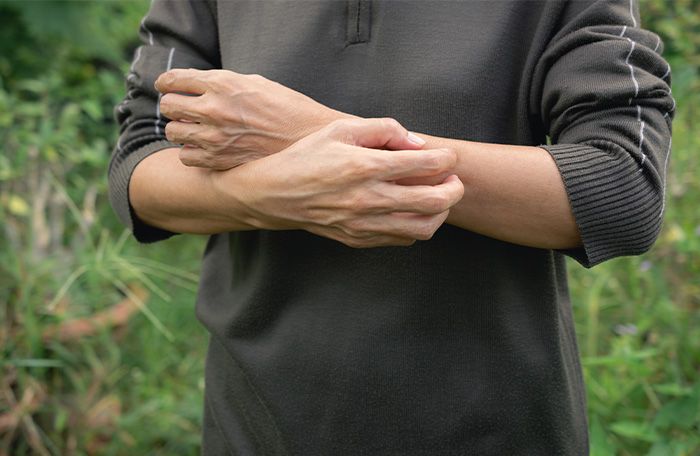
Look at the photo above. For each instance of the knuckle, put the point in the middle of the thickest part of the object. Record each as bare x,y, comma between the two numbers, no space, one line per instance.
215,75
436,202
428,230
206,103
353,171
171,131
423,232
433,163
338,128
369,202
357,201
391,123
370,165
211,137
215,79
256,77
452,154
188,158
213,108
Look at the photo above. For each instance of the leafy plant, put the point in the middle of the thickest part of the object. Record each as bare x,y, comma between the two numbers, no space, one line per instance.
100,350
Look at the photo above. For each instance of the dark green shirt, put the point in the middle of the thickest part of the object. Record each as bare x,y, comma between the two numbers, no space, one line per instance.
458,345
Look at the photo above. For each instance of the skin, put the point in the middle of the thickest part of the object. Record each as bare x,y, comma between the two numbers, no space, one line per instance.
336,182
260,155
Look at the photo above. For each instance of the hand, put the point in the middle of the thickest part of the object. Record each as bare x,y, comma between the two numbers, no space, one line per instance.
333,183
230,118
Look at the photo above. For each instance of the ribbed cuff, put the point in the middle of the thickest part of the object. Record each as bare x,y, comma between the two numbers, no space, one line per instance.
119,176
616,208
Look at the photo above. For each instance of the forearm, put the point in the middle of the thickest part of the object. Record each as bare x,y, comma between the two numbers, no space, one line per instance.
512,193
321,184
169,195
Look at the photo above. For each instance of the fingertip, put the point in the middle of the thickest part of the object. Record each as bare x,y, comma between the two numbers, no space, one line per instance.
164,80
455,178
452,180
459,185
451,154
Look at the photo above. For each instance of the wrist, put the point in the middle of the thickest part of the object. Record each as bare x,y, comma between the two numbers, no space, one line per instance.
233,195
324,117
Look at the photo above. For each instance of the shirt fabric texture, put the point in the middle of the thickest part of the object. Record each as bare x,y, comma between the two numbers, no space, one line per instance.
460,345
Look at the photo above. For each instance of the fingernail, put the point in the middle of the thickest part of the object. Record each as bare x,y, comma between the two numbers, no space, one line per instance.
415,139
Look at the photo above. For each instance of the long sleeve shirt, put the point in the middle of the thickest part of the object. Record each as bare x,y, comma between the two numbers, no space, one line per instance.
459,345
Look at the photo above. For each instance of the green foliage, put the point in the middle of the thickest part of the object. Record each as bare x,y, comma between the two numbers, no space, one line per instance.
678,23
639,327
637,318
64,257
137,389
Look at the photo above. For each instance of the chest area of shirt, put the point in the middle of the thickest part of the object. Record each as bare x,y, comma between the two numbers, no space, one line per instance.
371,54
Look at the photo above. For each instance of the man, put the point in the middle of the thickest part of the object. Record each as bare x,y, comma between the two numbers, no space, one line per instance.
386,268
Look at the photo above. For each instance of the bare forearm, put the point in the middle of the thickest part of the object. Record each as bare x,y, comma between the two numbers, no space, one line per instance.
322,184
512,193
169,195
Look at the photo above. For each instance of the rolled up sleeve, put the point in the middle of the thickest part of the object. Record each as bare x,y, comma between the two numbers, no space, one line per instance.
173,34
602,91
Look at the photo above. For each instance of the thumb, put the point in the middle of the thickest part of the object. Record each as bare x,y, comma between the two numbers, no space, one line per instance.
378,133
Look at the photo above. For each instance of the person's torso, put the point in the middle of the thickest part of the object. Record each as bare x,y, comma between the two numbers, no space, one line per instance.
457,345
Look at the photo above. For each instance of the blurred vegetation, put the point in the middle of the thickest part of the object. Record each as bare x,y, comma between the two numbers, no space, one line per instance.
101,351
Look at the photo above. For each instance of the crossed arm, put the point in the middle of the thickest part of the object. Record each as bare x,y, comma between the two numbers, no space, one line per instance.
252,149
512,193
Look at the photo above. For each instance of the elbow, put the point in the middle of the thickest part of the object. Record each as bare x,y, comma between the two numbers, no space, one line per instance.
624,231
643,234
119,180
617,202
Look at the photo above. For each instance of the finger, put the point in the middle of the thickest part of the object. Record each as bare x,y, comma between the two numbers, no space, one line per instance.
178,107
401,164
187,80
369,241
402,224
423,199
193,156
377,133
427,180
184,132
